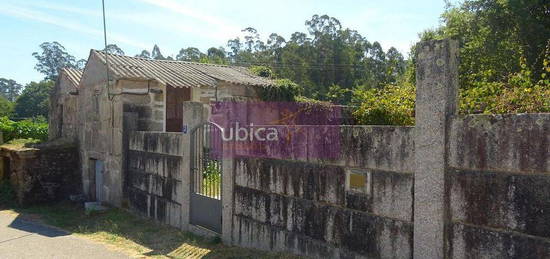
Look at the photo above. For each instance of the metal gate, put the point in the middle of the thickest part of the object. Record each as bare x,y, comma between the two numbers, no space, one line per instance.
206,177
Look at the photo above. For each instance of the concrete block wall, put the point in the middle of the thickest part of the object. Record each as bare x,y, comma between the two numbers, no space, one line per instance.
474,186
155,169
308,207
499,186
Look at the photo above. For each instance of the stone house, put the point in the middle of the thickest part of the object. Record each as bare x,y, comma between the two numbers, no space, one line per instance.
155,90
63,105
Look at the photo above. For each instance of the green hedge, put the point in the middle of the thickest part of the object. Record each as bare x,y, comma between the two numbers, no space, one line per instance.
25,129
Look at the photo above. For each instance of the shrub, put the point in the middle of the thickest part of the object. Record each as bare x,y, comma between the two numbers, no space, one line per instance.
262,71
26,129
392,105
284,91
518,94
339,95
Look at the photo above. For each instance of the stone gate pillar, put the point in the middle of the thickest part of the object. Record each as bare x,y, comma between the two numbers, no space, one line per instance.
436,102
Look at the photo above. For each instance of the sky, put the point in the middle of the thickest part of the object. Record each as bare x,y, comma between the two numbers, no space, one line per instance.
135,25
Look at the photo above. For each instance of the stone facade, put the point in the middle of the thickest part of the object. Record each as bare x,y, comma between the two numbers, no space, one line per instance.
62,116
100,110
43,173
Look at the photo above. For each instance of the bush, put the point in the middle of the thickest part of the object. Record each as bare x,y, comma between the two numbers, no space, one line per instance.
26,129
392,105
262,71
518,94
339,95
284,91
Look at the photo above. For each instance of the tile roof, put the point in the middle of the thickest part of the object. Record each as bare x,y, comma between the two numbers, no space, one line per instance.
74,75
178,73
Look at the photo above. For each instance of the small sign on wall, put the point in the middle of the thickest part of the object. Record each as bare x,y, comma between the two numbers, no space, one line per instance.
358,181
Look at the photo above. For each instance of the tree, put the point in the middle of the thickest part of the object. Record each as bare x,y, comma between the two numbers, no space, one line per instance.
190,54
80,64
235,46
9,89
156,54
395,65
34,100
114,49
144,54
252,39
495,36
52,58
216,55
6,107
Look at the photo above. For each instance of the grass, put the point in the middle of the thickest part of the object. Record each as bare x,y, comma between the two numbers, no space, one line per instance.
135,236
22,143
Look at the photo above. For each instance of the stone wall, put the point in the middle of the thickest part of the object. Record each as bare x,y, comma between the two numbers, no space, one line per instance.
499,186
43,173
223,92
155,174
62,115
360,204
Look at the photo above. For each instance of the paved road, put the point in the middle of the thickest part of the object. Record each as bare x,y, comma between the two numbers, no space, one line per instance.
20,238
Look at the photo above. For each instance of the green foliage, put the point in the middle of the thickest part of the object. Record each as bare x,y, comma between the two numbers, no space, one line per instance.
284,91
303,99
326,54
34,100
494,35
392,105
52,58
519,94
190,54
114,49
262,71
339,95
9,89
212,179
6,107
25,129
